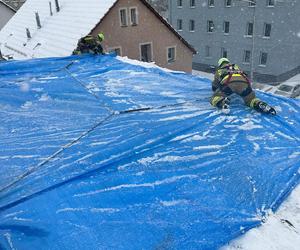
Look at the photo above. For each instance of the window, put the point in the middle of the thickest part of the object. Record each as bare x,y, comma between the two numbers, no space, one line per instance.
249,30
192,3
228,3
133,16
267,30
211,3
210,26
226,27
123,17
207,51
247,56
263,58
179,24
171,54
192,25
224,53
116,50
146,52
252,3
270,3
179,3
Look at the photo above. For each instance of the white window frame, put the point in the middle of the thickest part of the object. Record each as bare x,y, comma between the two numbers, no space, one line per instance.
224,26
265,26
228,5
136,16
260,59
192,6
211,4
252,3
179,6
208,49
111,49
190,21
140,49
175,54
208,26
247,29
222,52
244,56
179,20
126,17
271,5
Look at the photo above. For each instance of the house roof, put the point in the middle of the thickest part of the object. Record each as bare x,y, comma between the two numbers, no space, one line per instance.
60,32
15,4
134,158
7,5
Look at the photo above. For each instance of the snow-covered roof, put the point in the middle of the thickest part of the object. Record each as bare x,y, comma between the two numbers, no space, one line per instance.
59,33
8,6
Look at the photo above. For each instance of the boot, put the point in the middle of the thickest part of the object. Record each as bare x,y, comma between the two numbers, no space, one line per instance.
224,105
264,108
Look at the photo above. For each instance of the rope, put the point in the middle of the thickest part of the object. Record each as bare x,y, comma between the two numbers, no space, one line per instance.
33,169
84,86
51,157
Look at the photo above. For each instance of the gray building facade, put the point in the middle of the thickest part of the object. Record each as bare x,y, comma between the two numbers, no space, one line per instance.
261,36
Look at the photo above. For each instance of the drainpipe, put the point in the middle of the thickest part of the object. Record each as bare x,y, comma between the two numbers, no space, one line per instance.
253,46
170,8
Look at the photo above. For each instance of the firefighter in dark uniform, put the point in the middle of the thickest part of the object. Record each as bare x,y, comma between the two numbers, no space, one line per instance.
90,45
229,79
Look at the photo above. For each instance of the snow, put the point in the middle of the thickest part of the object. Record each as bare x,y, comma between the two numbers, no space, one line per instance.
280,231
75,20
203,74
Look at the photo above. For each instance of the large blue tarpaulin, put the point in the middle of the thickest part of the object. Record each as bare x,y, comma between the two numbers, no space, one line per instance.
96,153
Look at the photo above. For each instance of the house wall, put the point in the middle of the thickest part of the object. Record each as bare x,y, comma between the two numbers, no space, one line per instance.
5,14
283,46
149,30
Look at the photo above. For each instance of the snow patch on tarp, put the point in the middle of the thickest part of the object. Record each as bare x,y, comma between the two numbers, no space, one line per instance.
97,153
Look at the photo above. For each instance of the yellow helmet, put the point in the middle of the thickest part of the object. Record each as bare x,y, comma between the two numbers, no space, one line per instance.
222,60
100,36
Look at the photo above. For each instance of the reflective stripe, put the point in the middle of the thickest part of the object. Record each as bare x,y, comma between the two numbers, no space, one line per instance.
253,102
215,100
231,76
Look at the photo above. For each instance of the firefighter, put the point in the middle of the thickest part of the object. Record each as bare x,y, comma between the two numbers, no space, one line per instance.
90,45
229,79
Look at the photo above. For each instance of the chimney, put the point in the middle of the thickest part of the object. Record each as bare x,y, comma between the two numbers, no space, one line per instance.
50,6
57,6
28,33
38,21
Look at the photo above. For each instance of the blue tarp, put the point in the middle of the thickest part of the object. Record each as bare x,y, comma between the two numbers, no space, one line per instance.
97,153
